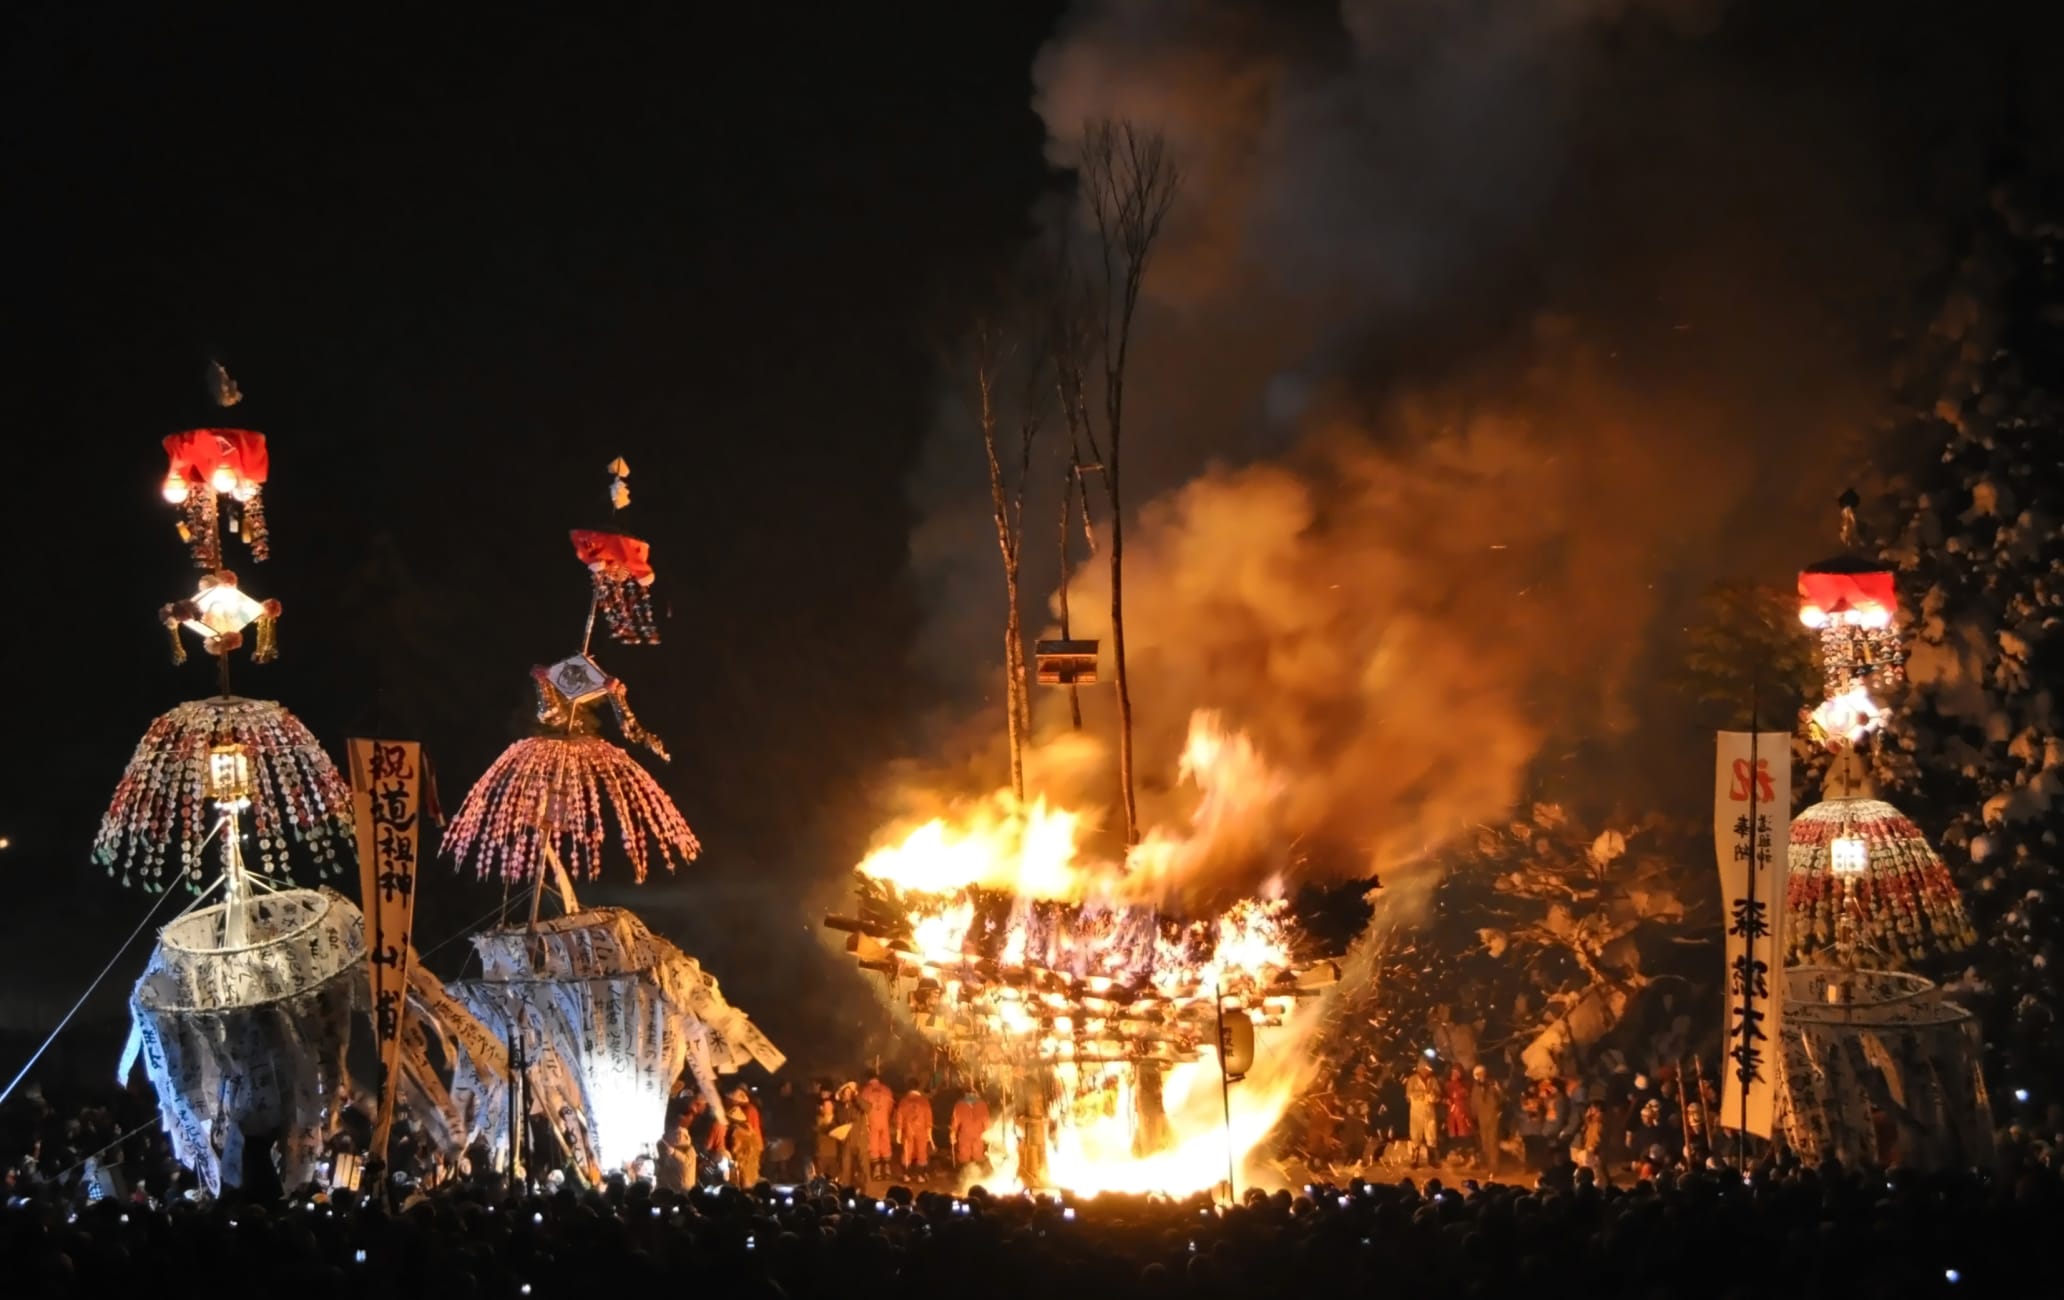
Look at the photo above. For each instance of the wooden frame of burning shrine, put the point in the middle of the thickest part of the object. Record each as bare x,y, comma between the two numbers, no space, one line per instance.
1016,958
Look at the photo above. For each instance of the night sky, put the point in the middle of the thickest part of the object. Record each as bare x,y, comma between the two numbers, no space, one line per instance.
457,265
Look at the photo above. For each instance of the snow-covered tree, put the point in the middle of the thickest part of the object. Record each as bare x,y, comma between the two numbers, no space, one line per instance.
1539,943
1975,753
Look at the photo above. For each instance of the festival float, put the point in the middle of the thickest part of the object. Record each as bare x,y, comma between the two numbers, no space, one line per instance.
1873,1059
1133,1050
243,1016
599,1014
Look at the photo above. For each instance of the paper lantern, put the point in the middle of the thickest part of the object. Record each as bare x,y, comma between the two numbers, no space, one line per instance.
218,613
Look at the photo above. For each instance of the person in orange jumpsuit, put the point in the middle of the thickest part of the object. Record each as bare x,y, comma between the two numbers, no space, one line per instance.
914,1132
1461,1124
878,1104
969,1128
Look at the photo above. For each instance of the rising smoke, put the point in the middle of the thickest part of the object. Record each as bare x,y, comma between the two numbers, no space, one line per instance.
1483,335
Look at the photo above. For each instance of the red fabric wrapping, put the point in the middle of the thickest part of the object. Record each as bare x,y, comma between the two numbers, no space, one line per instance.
1863,590
195,454
614,550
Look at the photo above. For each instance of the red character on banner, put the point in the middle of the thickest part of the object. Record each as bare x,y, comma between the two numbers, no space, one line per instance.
1739,791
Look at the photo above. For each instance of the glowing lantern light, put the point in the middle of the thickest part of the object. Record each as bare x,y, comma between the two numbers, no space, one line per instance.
1846,592
218,613
229,774
1848,854
205,465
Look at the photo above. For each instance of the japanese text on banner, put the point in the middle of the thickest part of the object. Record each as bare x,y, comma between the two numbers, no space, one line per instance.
387,794
1752,807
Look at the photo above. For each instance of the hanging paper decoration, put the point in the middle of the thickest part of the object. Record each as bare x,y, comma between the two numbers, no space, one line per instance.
1903,901
221,387
622,575
217,476
551,791
619,489
159,817
252,1036
1853,1041
218,614
614,1014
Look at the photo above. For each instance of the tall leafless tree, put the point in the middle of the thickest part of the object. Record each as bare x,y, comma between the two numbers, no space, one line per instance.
1128,181
991,354
1071,340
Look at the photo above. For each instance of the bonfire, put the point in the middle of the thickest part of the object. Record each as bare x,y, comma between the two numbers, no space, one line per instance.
1121,1038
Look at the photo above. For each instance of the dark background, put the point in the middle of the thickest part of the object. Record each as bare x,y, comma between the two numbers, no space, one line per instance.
458,263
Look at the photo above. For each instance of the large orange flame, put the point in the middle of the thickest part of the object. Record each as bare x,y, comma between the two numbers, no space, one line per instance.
1032,852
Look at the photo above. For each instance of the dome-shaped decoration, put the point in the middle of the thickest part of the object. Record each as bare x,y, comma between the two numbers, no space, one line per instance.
1902,900
159,816
550,790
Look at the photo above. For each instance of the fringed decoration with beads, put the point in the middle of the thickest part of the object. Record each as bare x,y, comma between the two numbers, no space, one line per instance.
626,606
267,648
200,518
256,535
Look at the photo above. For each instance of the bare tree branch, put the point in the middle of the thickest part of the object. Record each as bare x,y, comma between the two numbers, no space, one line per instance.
1129,183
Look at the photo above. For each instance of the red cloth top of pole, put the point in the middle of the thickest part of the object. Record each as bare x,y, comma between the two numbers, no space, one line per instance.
1847,586
614,550
196,454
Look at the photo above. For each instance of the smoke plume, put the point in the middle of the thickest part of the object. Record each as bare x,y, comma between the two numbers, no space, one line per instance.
1482,335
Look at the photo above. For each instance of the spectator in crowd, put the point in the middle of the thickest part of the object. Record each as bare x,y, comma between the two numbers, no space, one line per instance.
746,1147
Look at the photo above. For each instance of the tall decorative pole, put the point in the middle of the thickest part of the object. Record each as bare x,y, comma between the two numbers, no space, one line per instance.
1863,884
543,809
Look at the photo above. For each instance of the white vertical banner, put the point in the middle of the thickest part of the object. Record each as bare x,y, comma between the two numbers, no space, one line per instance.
1752,825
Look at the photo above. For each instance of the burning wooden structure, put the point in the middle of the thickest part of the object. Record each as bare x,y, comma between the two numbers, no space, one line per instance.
1080,1012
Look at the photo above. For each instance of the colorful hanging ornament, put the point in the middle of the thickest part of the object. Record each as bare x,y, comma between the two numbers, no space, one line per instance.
160,815
1863,886
217,476
1852,603
218,614
622,575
